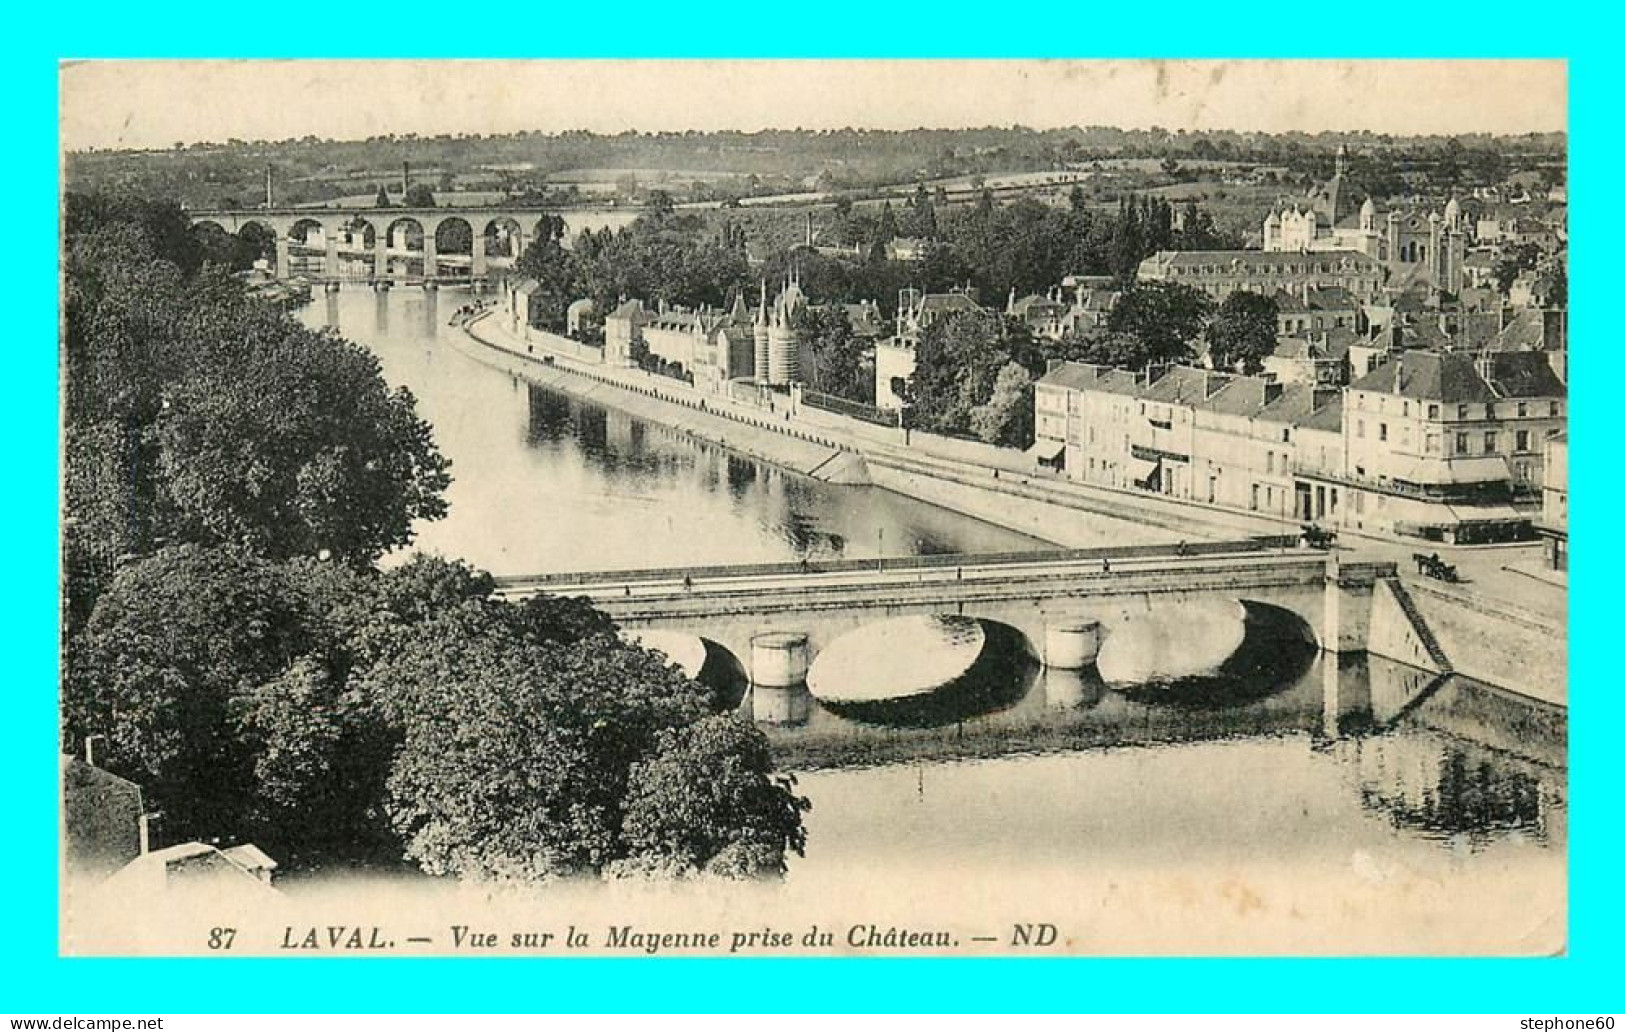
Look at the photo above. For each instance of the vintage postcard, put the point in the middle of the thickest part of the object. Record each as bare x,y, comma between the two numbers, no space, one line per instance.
814,508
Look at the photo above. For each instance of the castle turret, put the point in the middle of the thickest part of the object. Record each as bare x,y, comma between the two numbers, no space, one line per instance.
784,358
761,335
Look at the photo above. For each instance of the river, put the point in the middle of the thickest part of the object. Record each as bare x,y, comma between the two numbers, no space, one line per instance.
545,483
1342,808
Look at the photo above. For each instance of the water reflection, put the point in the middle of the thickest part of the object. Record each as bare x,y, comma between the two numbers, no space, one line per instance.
1274,651
546,482
927,671
1440,786
1461,759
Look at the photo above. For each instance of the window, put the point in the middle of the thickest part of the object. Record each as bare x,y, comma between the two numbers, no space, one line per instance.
1382,431
1489,442
1433,444
1286,435
1359,428
1523,409
1522,441
1433,412
1461,444
1489,410
1461,411
1555,412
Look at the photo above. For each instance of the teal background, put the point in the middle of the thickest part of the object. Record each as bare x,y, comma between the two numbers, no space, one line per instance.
33,979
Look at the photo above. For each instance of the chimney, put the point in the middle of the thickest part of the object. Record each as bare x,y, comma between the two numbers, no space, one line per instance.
1399,373
268,186
406,176
144,828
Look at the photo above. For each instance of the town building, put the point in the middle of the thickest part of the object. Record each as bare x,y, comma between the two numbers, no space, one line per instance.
1316,308
1553,525
1441,445
894,357
623,333
1221,273
1410,243
1318,358
1043,315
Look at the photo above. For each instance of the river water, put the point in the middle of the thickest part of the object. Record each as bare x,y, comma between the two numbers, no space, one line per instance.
1327,807
544,483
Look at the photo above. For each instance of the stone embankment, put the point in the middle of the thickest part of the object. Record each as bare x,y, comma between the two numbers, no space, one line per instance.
1434,628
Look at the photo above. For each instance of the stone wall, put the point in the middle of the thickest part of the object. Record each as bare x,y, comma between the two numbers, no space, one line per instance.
1496,642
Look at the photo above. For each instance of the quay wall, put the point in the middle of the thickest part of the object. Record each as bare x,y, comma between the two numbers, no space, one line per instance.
1496,642
642,395
1488,640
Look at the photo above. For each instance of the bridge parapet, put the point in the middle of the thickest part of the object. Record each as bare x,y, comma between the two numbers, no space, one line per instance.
520,586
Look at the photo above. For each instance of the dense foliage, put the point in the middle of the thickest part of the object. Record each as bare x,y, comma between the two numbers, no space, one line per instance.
231,479
1241,333
196,414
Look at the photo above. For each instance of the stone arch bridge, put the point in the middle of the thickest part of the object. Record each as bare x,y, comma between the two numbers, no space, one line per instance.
729,606
425,246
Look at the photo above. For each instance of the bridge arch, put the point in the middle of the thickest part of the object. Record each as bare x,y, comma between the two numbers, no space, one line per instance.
308,247
454,246
358,233
406,247
504,238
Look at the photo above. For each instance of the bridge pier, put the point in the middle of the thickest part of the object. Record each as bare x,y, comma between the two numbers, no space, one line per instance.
1346,625
380,259
330,262
282,249
431,260
479,259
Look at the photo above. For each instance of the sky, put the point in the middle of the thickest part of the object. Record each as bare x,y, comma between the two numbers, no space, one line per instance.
147,104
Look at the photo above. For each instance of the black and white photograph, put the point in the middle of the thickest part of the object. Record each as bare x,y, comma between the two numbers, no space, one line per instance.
863,507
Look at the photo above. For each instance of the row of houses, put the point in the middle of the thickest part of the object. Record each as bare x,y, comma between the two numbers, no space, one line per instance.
1439,445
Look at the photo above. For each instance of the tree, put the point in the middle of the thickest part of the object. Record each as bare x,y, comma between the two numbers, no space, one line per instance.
836,352
709,800
956,362
194,413
418,195
1242,331
1165,316
1102,347
1515,260
177,662
1006,419
516,751
382,200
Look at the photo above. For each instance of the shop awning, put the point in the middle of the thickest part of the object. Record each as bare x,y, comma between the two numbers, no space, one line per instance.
1476,470
1487,514
1141,470
1046,450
